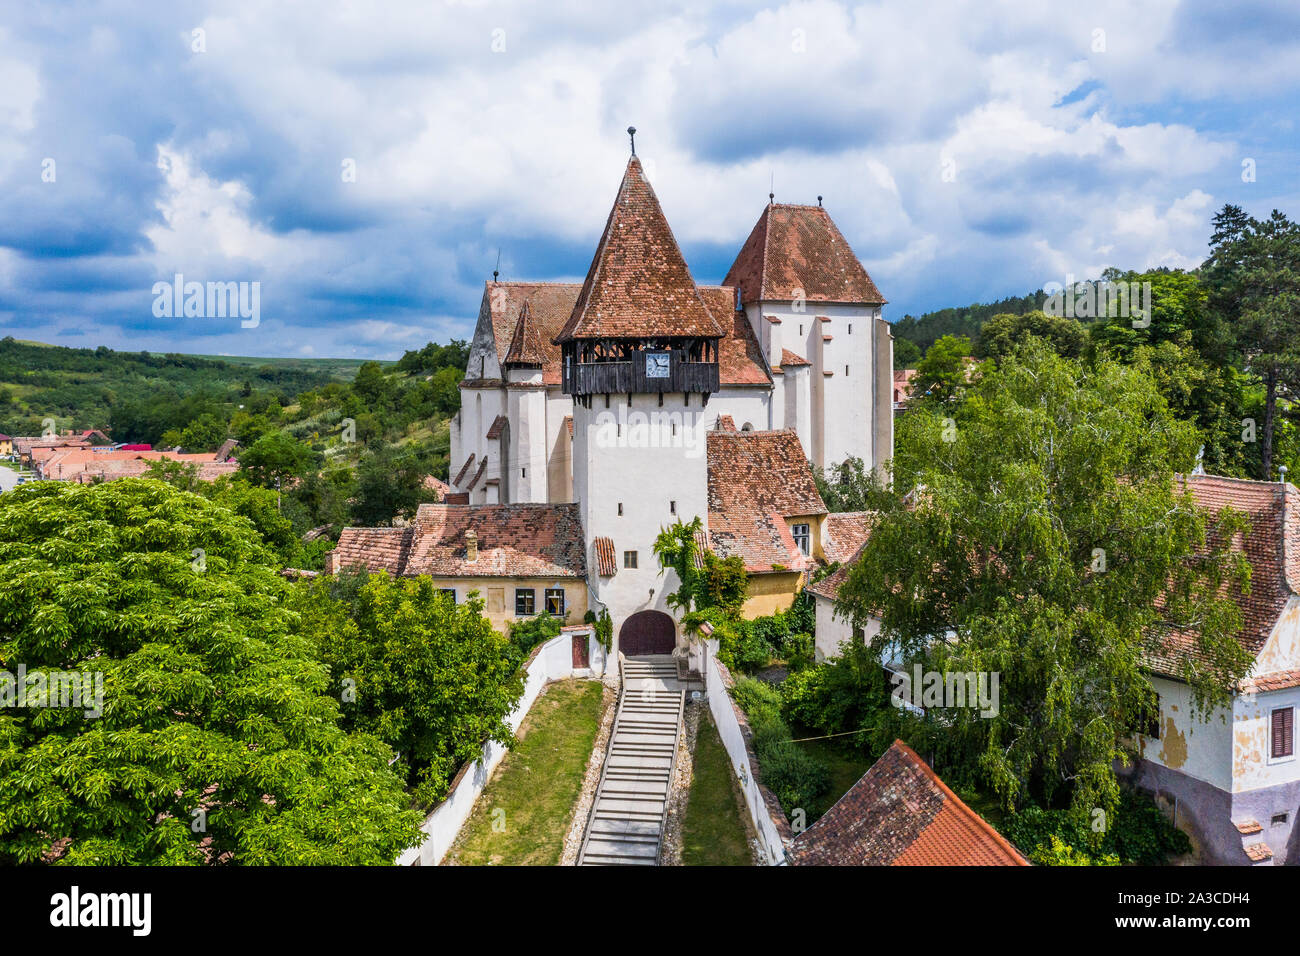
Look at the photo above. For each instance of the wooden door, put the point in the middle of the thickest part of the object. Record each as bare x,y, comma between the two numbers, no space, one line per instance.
580,656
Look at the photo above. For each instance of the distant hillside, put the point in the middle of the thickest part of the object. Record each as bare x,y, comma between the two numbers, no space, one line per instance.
100,388
922,330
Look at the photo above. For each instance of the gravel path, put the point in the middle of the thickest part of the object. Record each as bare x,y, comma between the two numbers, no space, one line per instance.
573,841
680,793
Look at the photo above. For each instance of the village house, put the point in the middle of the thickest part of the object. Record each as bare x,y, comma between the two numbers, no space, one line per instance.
1230,777
522,559
640,398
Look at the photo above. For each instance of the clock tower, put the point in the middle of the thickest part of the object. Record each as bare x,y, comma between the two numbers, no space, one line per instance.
639,356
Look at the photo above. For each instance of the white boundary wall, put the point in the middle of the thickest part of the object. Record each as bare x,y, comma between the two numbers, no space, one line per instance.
549,662
762,804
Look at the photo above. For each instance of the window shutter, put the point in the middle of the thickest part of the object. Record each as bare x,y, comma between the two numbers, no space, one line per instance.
1283,732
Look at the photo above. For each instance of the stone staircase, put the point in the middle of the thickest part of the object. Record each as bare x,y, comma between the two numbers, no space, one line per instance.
626,824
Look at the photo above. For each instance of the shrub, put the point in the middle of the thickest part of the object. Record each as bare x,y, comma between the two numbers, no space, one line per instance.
800,652
527,633
848,692
1137,833
749,693
796,778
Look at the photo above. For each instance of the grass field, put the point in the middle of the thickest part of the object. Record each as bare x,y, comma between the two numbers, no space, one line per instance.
522,816
713,832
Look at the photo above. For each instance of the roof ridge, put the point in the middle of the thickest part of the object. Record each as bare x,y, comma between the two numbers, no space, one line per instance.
959,804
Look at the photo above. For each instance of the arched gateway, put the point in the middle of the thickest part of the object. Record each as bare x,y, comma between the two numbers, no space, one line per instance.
647,632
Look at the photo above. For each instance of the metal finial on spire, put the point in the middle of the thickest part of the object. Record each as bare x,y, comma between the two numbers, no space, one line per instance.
497,271
771,196
631,132
819,200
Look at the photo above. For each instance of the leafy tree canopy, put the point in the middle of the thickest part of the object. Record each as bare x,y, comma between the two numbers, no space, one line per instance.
217,742
1048,543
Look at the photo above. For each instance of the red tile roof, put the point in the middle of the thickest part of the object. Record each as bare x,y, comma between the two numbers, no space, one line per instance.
726,423
792,358
799,248
901,814
757,479
526,347
740,357
638,284
482,467
464,469
845,532
498,426
437,485
520,540
1272,546
606,562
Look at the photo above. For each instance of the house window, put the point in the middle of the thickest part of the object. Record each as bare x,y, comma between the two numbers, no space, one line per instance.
525,601
449,592
672,507
802,537
555,601
801,330
629,559
620,509
1284,732
1280,819
850,328
846,370
523,472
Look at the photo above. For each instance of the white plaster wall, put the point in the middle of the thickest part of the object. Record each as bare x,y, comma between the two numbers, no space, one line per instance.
799,405
1199,746
743,404
527,452
610,468
554,661
733,741
559,460
841,407
1253,765
833,630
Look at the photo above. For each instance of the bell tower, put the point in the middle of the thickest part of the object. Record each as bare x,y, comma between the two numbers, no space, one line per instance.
639,356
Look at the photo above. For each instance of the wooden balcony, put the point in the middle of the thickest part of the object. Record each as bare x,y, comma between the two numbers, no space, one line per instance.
605,378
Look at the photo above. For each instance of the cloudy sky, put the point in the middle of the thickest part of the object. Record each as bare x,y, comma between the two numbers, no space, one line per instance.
365,161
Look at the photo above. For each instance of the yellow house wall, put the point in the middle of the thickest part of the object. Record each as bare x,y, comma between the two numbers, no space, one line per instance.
769,593
498,595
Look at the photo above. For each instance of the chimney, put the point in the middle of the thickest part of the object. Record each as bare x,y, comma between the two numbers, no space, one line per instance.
471,545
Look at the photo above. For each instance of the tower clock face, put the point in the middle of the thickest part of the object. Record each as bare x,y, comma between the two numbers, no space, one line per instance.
656,365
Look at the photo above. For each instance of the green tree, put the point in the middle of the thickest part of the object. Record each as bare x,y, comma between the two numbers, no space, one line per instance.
906,353
217,742
1048,540
274,459
1254,276
205,433
390,484
942,374
429,676
851,486
1002,334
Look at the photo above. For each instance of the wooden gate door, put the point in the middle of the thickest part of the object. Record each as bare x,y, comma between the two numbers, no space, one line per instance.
580,657
647,632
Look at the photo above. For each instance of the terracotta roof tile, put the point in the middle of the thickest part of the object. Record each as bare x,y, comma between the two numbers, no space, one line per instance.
638,284
482,467
498,426
740,358
464,469
799,248
757,479
523,540
792,358
1272,546
526,347
726,423
606,563
829,586
901,814
845,532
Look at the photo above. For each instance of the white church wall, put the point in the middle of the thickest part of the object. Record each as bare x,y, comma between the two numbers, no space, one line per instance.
743,404
652,461
559,447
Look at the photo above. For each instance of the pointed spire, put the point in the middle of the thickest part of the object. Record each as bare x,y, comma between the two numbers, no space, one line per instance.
638,285
525,345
